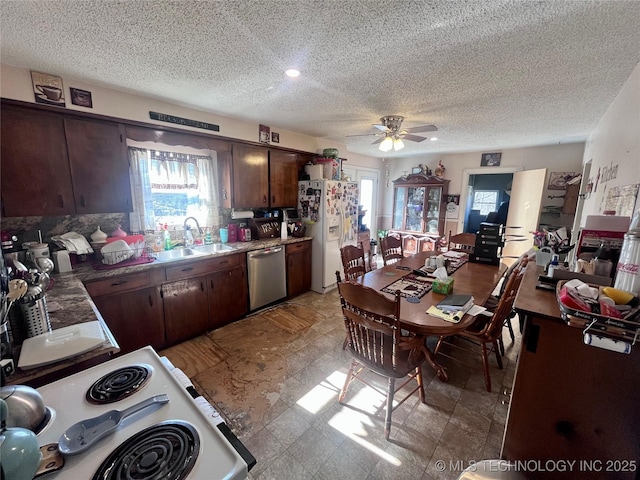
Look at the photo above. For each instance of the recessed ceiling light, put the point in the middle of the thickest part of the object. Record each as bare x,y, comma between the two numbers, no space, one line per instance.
433,139
292,72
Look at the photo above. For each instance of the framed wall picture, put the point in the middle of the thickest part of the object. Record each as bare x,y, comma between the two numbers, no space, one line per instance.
48,89
265,134
81,98
275,137
490,159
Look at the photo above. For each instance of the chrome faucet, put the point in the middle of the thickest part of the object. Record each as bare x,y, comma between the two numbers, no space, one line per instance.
190,241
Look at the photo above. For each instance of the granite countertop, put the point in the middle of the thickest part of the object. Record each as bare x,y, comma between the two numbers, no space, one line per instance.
69,303
87,273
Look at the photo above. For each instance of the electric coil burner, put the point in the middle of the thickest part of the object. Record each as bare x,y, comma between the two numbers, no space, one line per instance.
179,441
119,384
166,450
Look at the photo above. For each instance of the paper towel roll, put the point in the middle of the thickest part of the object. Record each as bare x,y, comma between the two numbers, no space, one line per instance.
607,343
238,214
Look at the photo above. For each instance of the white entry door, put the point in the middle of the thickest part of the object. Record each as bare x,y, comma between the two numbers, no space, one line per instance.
524,210
368,184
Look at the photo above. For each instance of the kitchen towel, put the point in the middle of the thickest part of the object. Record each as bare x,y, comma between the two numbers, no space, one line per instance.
607,343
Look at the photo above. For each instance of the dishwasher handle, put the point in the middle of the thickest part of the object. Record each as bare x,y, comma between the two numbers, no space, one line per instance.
265,252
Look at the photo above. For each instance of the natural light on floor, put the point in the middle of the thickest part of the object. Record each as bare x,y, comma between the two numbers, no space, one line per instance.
353,421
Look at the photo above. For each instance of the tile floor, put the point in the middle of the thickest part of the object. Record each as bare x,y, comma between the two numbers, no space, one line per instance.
275,376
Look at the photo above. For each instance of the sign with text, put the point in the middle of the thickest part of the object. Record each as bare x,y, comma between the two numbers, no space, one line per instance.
163,117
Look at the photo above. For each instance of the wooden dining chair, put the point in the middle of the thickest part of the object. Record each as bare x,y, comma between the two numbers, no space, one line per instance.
353,262
391,249
492,302
485,331
462,242
377,343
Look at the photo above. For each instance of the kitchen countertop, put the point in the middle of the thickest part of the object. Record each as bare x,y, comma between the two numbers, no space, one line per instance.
87,273
70,304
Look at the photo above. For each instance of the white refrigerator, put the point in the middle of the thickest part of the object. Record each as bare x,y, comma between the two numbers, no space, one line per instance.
329,209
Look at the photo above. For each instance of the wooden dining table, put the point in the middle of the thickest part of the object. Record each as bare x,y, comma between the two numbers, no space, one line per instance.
475,279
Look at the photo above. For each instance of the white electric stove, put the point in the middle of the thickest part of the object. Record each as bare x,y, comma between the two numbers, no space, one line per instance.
176,440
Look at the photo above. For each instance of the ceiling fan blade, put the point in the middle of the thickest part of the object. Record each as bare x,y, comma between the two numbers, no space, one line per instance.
364,135
413,138
381,127
423,128
378,141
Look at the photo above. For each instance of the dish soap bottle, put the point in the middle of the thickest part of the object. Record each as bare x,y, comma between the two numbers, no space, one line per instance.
167,237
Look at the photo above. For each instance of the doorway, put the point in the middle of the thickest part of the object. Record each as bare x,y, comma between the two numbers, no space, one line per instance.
489,197
368,187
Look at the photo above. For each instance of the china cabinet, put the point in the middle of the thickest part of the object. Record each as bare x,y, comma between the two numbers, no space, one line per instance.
418,204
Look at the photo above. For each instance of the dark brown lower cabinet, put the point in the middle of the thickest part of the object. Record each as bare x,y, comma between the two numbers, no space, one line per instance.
227,296
570,402
186,309
135,318
298,258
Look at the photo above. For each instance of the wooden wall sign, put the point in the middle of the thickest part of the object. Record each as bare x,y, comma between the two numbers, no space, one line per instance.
163,117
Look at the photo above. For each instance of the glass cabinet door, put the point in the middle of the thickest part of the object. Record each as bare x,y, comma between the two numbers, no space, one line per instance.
398,208
415,209
432,209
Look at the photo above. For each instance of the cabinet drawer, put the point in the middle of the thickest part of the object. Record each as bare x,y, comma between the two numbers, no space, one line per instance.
125,283
297,247
201,267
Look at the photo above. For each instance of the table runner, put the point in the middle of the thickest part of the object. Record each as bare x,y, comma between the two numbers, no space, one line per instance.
411,285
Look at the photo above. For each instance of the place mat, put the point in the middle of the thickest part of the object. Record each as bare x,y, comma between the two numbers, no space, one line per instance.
409,286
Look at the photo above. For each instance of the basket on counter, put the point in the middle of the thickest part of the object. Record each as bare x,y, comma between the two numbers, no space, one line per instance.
627,329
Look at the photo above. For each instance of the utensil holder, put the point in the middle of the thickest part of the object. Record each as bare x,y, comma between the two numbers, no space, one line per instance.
36,315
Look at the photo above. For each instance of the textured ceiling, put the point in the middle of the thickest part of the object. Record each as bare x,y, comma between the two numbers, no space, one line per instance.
490,74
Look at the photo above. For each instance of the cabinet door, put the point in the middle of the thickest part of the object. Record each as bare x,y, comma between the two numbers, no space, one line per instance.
298,268
432,208
250,176
99,166
228,299
35,171
186,309
414,215
135,318
399,202
283,179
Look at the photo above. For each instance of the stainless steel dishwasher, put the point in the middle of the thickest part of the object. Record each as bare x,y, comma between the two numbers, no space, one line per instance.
267,276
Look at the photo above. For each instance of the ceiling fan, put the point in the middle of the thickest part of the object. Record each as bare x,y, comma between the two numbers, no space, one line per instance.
392,135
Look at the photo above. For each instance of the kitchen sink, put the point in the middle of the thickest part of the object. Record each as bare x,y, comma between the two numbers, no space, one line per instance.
178,254
214,248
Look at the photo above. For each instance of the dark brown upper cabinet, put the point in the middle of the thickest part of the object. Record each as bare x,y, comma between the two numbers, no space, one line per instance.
99,166
250,176
58,164
264,178
36,179
283,179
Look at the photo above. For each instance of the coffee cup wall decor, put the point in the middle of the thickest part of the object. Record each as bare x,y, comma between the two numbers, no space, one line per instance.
48,89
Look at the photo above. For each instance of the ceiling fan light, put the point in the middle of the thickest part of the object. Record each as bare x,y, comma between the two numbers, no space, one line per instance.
398,144
386,144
